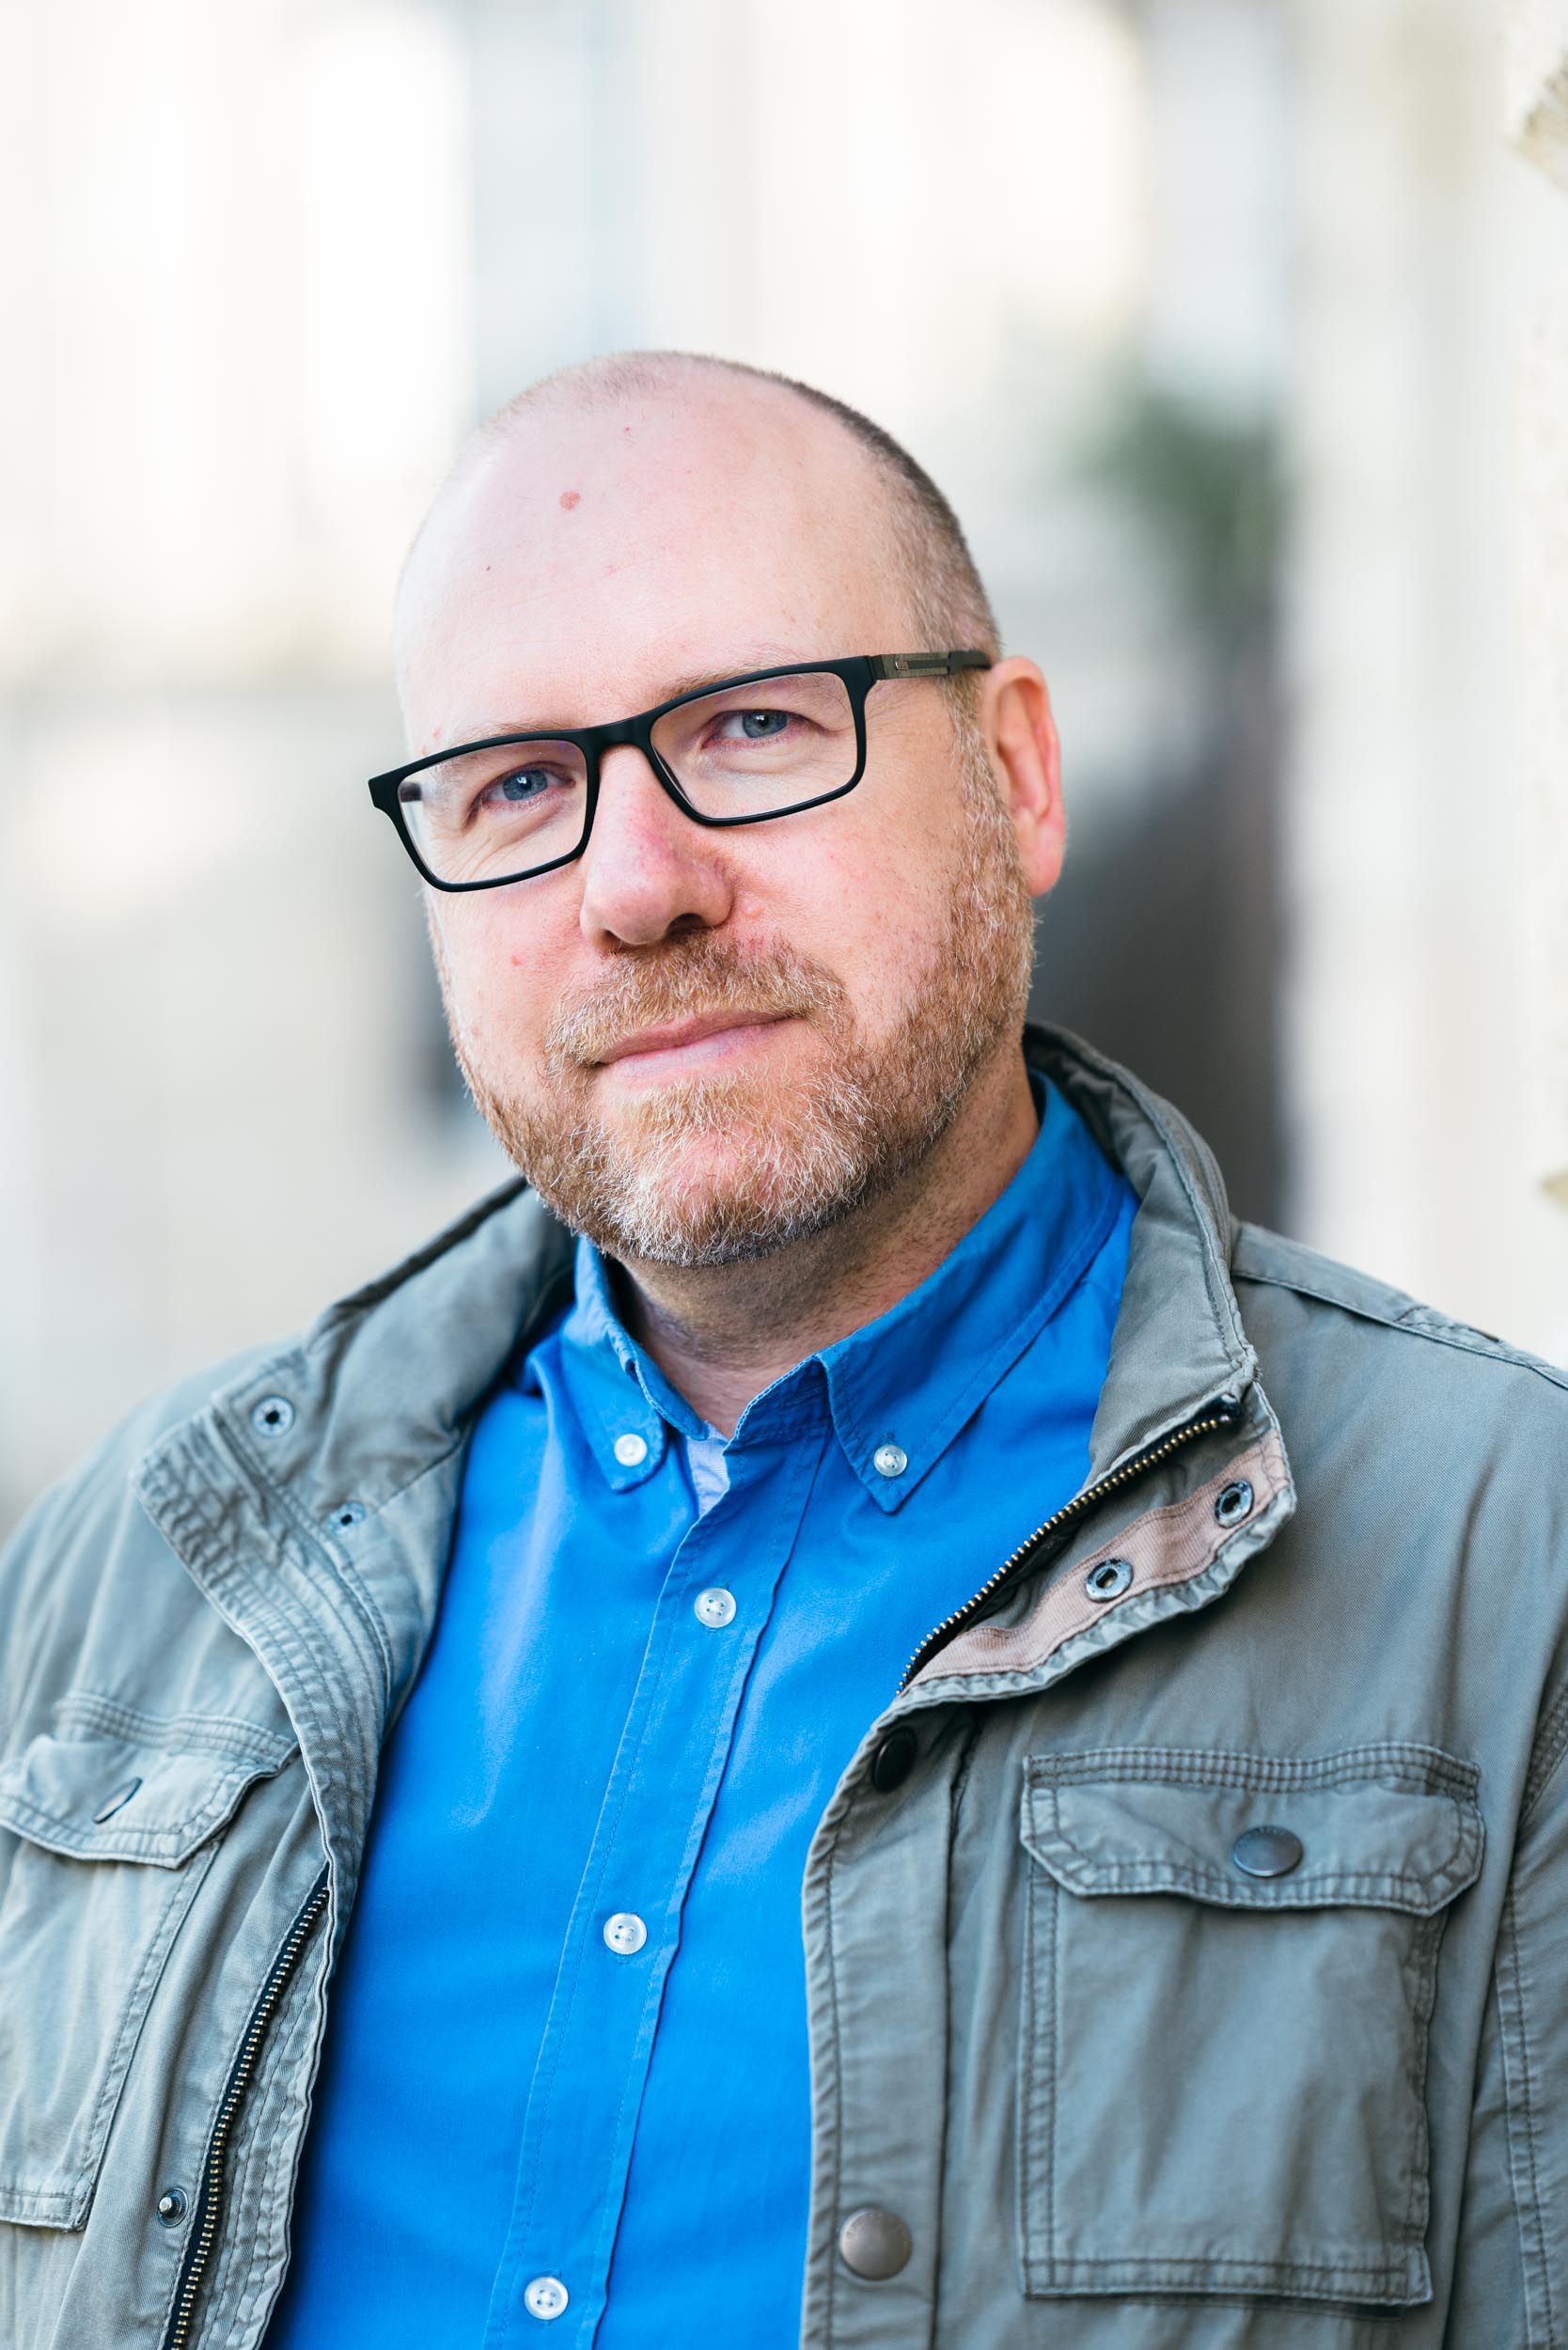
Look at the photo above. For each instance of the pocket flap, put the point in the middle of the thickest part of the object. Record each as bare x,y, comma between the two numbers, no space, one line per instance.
105,1798
1382,1830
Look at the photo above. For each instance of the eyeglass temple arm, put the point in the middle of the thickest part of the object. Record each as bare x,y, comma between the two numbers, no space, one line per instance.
885,664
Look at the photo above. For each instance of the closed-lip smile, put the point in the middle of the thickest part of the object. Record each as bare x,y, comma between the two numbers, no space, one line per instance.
681,1034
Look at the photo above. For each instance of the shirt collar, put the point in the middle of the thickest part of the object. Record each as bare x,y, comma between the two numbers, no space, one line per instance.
908,1382
899,1389
627,1407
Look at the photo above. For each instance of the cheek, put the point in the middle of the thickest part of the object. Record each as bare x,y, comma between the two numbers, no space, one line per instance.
498,980
874,919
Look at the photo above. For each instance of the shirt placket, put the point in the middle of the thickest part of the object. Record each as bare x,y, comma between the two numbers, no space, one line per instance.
581,2120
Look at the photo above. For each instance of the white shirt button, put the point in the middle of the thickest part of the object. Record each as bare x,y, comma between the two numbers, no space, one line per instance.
545,2296
715,1609
889,1460
631,1450
625,1932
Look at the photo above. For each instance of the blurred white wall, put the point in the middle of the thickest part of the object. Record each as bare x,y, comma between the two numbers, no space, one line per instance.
1536,83
238,282
1414,1040
268,260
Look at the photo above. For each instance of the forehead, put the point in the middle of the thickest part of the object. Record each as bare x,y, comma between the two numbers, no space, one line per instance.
595,561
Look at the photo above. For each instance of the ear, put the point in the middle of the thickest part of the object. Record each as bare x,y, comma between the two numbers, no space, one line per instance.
1021,736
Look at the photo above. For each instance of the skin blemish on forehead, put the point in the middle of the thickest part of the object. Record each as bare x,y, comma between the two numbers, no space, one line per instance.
570,499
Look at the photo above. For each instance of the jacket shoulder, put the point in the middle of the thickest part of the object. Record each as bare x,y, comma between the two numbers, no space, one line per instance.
104,1472
1266,1260
105,1469
88,1554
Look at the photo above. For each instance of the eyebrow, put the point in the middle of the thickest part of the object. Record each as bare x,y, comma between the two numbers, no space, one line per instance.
691,682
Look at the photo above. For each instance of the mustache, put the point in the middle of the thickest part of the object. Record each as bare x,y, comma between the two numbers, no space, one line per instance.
690,978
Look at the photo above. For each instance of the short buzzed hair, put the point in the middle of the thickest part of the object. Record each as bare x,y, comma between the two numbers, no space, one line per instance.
948,607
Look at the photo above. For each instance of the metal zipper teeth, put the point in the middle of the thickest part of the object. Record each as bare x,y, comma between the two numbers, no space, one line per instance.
1223,1413
210,2207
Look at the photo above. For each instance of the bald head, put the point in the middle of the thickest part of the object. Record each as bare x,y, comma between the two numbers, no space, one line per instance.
662,482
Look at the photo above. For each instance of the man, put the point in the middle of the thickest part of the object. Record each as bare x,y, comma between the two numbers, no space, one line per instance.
1137,1643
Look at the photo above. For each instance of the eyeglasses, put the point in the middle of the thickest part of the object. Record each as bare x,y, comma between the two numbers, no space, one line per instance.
765,744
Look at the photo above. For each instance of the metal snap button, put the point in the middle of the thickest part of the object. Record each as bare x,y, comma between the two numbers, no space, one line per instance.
889,1460
894,1760
716,1607
273,1417
115,1802
1267,1852
545,2296
172,2206
1234,1503
624,1934
874,2244
1110,1580
631,1450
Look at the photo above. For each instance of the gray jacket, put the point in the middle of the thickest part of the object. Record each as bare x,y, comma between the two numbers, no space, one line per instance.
1187,1942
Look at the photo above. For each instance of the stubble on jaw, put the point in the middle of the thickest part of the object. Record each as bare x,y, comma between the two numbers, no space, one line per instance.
733,1166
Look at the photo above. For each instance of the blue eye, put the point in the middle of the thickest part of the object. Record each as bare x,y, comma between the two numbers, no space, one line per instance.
527,784
755,725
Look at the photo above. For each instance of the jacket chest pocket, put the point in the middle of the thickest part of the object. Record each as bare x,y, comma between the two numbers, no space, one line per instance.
104,1843
1231,1967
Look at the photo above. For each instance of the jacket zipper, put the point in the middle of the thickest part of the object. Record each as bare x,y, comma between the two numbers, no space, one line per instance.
210,2200
1223,1412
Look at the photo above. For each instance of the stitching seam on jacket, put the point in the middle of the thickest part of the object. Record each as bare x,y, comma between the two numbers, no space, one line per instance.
265,2247
1464,1340
1519,2096
830,2217
181,1734
1428,1767
1551,1745
1427,1944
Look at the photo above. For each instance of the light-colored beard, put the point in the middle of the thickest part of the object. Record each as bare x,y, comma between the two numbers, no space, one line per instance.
658,1185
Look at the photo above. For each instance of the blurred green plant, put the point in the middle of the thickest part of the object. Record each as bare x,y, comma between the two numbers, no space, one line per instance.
1207,496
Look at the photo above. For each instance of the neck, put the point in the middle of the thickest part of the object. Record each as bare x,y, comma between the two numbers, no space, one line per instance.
722,1333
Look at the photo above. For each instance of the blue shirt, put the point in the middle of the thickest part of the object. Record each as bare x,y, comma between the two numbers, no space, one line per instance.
565,2096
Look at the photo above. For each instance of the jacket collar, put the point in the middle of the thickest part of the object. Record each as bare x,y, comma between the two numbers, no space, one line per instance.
1179,1341
311,1500
1188,1474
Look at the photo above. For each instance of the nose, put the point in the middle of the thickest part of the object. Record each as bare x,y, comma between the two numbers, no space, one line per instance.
648,871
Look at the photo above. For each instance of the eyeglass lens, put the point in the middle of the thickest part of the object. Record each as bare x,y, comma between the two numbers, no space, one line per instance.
746,751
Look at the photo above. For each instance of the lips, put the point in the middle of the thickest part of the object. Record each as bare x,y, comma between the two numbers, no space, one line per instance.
681,1033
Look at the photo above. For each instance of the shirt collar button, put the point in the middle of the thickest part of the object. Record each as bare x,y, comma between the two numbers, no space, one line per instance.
631,1450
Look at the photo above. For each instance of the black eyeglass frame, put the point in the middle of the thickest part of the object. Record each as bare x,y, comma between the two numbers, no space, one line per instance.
857,674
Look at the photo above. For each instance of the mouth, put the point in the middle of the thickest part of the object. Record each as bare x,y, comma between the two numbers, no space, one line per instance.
686,1044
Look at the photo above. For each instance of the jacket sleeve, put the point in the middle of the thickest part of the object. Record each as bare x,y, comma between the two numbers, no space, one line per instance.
1512,2269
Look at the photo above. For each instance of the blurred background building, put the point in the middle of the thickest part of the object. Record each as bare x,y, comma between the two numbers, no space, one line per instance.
1215,317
